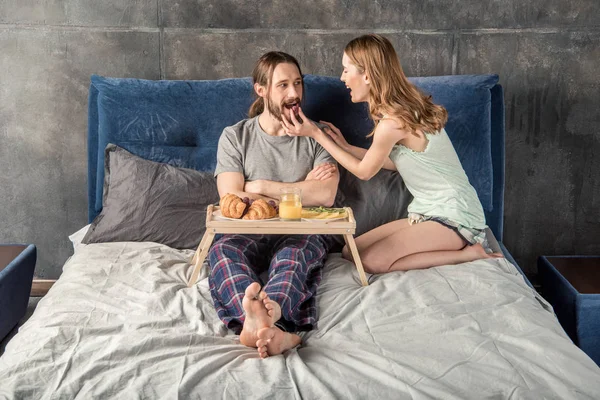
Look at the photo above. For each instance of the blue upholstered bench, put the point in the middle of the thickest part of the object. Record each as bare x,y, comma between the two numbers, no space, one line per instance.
17,263
572,285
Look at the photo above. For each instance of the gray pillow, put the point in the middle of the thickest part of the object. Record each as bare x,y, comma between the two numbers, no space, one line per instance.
382,199
147,201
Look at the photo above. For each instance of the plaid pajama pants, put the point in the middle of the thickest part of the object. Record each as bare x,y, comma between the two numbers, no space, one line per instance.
294,265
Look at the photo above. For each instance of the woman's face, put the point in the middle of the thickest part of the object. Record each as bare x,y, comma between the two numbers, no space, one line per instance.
355,80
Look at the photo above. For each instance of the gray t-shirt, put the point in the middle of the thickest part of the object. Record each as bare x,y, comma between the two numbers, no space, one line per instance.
245,147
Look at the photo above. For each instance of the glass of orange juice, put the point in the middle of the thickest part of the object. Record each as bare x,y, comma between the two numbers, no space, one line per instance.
290,204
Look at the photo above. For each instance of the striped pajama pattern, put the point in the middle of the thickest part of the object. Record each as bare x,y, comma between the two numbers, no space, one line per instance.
294,265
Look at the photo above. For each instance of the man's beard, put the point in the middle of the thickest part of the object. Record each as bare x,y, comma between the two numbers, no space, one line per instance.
277,112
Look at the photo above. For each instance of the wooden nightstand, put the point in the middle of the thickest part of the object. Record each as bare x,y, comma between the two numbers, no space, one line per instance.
572,285
17,263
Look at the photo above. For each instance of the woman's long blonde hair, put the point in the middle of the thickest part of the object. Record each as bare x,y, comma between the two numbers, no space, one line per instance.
390,93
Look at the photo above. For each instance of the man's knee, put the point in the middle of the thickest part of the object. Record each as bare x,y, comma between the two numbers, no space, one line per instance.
219,247
309,247
317,241
227,247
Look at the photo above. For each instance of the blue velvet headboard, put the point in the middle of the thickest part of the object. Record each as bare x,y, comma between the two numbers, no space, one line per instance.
179,122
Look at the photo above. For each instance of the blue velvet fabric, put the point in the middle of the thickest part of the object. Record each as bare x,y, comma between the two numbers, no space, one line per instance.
15,287
495,216
579,314
179,122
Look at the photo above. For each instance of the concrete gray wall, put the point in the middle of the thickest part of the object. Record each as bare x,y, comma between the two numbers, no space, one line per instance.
546,52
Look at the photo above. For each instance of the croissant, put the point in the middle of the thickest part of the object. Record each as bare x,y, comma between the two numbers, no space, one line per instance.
232,206
260,209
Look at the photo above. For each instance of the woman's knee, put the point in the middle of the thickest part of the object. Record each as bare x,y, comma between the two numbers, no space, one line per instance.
379,262
374,268
372,263
346,253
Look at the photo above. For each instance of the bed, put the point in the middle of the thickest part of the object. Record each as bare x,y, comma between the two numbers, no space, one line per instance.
121,323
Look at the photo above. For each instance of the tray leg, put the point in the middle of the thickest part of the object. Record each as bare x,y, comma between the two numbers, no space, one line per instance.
200,256
198,250
346,240
356,257
200,247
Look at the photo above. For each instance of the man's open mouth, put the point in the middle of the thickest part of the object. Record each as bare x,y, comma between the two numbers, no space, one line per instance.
293,106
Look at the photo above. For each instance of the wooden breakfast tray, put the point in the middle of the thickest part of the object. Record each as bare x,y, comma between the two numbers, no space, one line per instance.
345,227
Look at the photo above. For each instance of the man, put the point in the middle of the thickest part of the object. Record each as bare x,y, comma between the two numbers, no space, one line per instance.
255,159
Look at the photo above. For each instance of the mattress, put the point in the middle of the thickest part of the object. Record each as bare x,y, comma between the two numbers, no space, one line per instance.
122,323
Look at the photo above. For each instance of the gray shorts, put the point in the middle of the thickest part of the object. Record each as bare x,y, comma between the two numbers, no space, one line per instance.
470,235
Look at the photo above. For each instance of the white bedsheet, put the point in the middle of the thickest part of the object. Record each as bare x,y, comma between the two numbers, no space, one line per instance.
121,323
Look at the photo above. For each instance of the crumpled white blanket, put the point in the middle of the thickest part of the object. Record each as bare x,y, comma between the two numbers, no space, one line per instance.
121,323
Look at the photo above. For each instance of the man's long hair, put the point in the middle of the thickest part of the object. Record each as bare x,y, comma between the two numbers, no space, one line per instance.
263,74
390,93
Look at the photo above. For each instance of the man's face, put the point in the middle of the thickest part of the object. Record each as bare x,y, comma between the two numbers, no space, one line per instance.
285,93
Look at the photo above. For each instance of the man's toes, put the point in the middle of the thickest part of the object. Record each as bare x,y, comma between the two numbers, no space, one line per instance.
252,290
262,296
268,305
260,343
261,348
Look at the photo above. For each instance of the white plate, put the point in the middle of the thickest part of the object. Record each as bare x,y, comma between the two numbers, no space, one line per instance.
217,214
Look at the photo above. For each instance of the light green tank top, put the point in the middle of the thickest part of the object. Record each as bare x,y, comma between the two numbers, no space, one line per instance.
438,183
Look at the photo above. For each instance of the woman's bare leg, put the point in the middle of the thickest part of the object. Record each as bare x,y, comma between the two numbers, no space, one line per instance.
428,236
443,257
434,243
374,235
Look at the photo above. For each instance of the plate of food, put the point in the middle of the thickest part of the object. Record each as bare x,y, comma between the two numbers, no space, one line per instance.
234,208
323,214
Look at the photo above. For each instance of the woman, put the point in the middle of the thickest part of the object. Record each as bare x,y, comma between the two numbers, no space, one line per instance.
446,223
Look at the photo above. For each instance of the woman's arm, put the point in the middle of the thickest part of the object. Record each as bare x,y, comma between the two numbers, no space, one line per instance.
372,161
386,136
357,152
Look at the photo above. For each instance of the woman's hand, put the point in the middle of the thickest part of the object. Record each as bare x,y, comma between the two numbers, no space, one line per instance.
335,134
321,172
294,127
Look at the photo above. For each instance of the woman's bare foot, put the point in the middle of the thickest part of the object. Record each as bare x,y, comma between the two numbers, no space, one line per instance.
257,316
273,309
477,252
273,341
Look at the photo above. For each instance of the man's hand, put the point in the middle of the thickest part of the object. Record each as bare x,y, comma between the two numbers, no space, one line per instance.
321,172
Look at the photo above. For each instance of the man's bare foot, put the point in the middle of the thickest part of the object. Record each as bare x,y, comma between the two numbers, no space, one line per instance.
273,341
477,252
257,316
273,309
